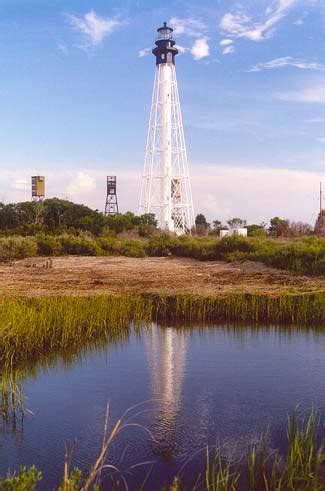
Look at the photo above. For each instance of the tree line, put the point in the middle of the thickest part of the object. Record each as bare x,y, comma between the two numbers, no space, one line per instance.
279,227
57,216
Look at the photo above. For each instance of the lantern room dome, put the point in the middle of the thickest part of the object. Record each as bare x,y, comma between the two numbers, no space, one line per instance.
164,32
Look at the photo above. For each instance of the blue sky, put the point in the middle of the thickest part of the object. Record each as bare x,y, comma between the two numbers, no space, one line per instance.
75,92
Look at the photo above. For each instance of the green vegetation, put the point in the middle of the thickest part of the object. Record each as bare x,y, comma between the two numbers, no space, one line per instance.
31,328
305,255
25,480
301,468
58,227
57,216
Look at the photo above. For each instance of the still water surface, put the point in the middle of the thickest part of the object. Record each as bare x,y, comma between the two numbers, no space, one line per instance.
207,384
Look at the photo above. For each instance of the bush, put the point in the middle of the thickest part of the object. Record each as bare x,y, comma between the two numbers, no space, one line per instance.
79,246
132,248
161,245
235,243
195,247
49,245
107,245
17,248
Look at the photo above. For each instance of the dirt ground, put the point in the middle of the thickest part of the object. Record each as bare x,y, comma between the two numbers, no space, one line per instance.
100,275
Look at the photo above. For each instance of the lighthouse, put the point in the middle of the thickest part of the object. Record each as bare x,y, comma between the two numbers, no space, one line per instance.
166,186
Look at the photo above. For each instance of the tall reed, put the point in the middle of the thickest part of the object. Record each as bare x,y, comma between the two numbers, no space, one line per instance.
33,327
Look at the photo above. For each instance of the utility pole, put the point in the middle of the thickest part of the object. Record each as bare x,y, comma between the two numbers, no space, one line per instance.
320,198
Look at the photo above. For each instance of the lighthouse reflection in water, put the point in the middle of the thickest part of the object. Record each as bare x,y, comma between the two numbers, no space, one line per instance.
166,352
211,384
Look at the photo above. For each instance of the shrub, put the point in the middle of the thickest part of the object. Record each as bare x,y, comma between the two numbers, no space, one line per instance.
235,243
79,246
201,248
107,245
133,248
48,245
161,245
146,230
17,248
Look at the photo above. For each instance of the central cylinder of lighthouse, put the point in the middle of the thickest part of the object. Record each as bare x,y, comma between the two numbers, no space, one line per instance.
165,53
165,78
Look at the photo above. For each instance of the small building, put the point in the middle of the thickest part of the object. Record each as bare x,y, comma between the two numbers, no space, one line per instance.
234,231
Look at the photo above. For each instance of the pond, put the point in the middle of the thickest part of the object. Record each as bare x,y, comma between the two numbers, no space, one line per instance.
202,385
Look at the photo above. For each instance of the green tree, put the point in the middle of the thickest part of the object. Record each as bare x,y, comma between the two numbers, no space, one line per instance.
256,230
279,227
236,223
148,219
201,224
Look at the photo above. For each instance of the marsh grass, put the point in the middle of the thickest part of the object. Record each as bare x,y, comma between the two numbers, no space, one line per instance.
31,328
301,468
12,403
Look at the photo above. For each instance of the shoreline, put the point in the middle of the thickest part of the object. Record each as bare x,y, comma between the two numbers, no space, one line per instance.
79,300
33,327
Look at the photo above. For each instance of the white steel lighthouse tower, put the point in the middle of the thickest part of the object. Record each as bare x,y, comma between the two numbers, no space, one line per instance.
166,188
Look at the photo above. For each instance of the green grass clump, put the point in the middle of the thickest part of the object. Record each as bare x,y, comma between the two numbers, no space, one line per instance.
34,327
24,480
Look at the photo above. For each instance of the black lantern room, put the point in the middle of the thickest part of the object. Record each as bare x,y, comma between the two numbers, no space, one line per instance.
165,50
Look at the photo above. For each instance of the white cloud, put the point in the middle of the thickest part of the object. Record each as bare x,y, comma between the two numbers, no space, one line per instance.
200,49
228,50
314,94
227,46
82,185
315,120
288,61
240,25
19,184
226,42
220,191
182,49
93,28
187,26
321,139
144,52
255,193
86,185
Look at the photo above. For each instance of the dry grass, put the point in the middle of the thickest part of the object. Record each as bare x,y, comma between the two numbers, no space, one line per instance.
120,275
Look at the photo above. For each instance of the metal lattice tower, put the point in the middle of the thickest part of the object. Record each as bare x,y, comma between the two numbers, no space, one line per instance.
166,187
111,205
